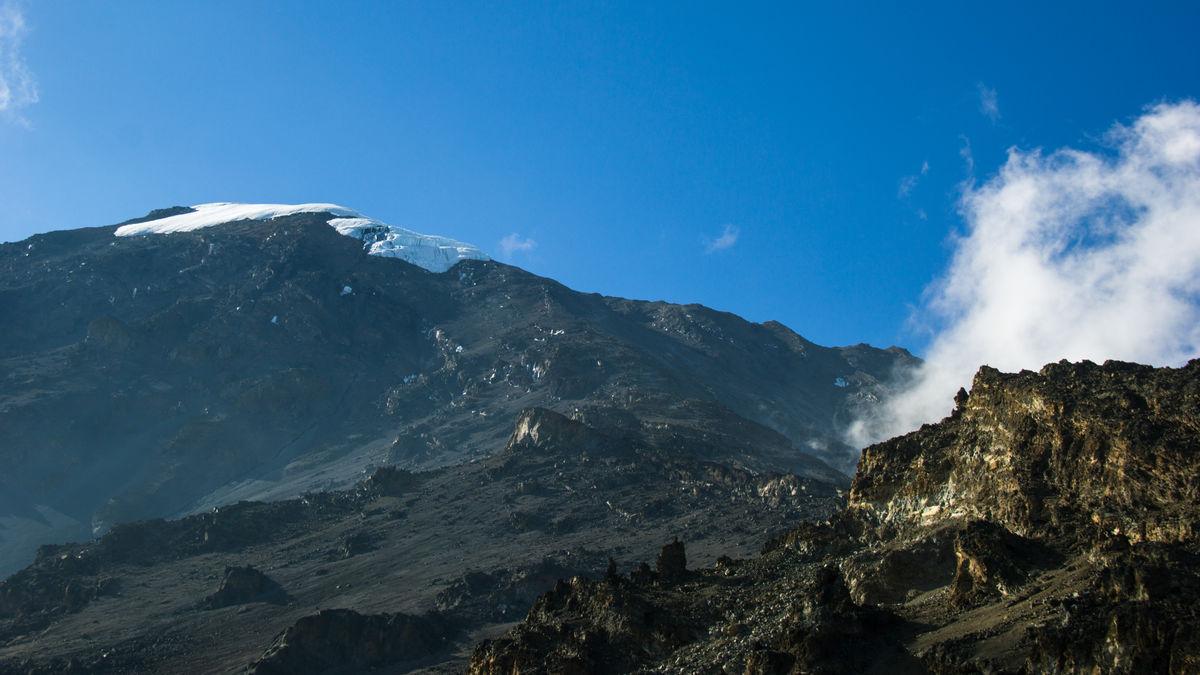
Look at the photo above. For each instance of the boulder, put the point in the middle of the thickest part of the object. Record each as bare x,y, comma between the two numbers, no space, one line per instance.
242,585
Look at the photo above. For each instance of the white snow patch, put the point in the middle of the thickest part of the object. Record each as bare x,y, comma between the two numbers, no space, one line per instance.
217,213
346,290
841,382
434,253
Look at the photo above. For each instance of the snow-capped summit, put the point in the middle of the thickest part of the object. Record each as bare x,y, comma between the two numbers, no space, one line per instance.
434,253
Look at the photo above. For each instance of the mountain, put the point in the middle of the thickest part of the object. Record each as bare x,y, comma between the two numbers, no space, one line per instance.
308,442
201,356
1047,526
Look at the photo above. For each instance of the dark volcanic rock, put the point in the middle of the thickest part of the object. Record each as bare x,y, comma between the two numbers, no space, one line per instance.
992,562
242,585
390,481
504,594
672,562
583,626
828,633
344,641
1048,525
355,543
1134,614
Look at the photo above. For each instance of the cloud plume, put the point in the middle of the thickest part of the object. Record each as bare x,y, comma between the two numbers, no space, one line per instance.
1069,254
729,237
17,86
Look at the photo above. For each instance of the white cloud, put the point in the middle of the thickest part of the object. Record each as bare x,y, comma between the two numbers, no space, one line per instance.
729,237
515,243
967,157
1070,254
989,102
909,183
17,86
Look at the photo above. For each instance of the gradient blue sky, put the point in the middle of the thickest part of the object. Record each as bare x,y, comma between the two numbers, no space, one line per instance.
825,147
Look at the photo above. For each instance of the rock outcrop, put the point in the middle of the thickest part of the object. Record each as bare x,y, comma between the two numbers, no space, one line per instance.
243,585
1070,453
1047,525
344,641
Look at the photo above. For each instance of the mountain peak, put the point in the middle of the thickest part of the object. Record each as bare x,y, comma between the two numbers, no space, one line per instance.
432,252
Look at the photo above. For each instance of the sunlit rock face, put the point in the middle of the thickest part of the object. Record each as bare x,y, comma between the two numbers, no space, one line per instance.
1047,525
1077,449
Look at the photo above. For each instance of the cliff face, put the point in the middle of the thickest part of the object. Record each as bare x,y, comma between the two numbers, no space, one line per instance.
1047,525
1074,452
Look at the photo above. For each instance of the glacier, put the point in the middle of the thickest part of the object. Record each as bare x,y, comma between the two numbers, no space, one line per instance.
431,252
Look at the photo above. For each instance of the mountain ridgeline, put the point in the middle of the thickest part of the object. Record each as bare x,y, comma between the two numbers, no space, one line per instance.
165,374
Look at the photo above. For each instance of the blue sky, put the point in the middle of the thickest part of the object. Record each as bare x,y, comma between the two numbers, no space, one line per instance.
782,162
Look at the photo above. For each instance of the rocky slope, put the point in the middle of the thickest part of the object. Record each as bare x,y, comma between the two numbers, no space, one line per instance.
167,374
1047,525
404,571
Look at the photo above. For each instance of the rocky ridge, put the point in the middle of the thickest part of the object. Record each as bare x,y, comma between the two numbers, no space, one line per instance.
1047,525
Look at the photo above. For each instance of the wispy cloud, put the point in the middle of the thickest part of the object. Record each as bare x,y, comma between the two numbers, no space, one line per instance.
18,88
909,183
515,243
968,158
989,102
729,237
1070,254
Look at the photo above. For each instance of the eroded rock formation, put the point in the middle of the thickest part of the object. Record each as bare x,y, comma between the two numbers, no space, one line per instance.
1047,525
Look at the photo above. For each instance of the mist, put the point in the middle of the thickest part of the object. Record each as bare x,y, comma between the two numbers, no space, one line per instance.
1067,254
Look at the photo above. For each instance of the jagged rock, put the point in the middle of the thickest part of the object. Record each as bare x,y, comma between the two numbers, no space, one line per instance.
960,402
355,543
642,574
829,633
1073,452
991,562
583,626
243,585
1136,614
894,572
390,481
1047,525
344,641
503,595
672,562
610,572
